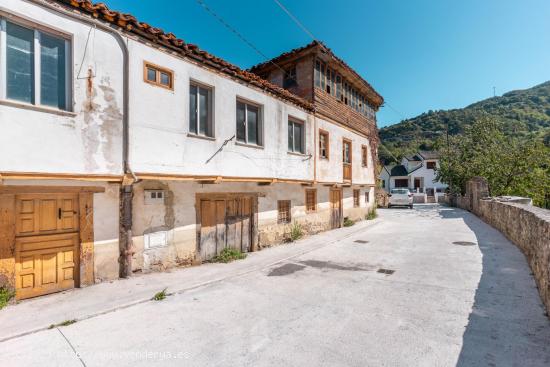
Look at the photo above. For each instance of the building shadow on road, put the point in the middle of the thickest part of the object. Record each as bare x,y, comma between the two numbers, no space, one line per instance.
508,325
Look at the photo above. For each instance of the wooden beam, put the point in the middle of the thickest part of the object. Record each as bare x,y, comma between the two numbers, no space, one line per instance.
128,179
24,189
59,176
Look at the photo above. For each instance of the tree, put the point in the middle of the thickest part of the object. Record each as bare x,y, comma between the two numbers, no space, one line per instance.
511,165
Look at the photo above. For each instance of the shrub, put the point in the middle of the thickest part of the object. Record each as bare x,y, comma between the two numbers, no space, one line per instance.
227,255
5,296
348,222
296,232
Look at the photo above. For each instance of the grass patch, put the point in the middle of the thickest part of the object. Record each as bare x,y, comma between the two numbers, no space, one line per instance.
64,323
371,214
348,222
296,232
5,296
228,255
159,296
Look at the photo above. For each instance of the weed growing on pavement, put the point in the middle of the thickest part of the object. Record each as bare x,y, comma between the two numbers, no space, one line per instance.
159,296
228,255
348,222
371,214
5,296
296,232
64,323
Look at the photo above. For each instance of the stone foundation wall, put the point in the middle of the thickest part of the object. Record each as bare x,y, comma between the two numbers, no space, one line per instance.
525,225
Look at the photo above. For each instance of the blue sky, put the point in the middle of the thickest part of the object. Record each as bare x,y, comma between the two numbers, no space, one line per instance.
420,55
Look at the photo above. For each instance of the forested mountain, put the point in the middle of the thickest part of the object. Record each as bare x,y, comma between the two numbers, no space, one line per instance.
523,113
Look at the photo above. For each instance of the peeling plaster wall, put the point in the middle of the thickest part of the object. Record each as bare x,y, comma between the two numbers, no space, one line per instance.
87,140
177,215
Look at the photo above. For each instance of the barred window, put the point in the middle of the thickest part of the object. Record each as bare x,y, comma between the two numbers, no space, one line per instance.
356,195
311,200
283,215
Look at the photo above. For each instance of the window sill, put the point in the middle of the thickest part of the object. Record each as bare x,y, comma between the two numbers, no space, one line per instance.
298,154
248,145
28,106
204,137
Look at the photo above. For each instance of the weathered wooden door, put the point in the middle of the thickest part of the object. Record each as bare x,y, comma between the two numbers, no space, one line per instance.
212,235
46,243
239,223
335,208
225,222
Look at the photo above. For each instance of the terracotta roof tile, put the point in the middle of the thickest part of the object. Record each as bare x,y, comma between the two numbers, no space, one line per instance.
157,35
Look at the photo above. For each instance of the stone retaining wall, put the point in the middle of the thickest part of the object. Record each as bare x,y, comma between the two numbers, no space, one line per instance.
525,225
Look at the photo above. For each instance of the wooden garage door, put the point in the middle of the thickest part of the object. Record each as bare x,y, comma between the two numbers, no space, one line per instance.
225,222
46,244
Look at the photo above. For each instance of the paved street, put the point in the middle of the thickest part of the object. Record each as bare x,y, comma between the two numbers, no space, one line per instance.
433,286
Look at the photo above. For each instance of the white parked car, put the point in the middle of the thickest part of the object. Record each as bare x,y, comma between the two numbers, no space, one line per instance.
400,197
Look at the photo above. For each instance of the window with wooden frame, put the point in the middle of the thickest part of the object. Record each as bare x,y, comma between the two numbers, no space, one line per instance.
364,156
356,198
430,165
367,196
159,76
36,64
290,78
323,144
311,200
296,136
200,110
249,123
283,211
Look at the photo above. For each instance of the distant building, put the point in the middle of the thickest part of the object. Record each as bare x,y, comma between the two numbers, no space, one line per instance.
418,173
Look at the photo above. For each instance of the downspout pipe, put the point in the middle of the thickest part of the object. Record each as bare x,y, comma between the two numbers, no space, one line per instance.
126,192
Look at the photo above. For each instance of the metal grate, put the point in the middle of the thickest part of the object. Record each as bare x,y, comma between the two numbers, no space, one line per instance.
464,243
385,271
361,241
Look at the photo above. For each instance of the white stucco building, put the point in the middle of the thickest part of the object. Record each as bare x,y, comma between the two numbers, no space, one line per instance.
125,149
418,173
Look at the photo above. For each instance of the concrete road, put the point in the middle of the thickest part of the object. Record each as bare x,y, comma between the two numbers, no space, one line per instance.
432,286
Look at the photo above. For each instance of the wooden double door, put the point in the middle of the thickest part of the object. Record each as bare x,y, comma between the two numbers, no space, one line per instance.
225,222
46,243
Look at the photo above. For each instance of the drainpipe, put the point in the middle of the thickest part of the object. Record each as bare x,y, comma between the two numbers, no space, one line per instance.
126,190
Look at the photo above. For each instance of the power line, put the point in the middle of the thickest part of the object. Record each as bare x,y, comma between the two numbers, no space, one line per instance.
295,19
238,34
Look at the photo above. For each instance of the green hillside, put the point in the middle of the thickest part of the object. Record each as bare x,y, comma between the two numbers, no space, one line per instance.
524,113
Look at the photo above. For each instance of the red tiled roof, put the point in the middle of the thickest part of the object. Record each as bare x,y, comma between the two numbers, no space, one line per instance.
378,99
129,23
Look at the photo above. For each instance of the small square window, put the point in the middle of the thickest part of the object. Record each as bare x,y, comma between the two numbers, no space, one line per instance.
158,76
311,200
283,211
153,197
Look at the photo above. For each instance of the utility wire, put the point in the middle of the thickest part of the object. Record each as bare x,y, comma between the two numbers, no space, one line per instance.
295,19
239,35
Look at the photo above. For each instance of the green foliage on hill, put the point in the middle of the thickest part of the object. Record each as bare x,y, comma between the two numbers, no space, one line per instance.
524,114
